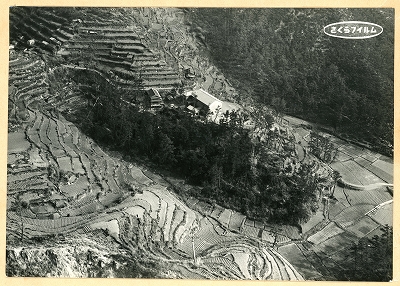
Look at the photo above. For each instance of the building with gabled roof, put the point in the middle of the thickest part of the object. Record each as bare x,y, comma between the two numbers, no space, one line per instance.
200,101
204,101
156,101
204,97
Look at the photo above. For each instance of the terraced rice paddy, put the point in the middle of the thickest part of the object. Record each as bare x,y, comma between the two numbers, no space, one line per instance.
111,226
28,76
383,215
225,217
140,177
236,221
94,200
327,232
362,167
251,231
68,184
352,213
355,173
336,243
121,51
349,216
299,260
363,227
17,142
374,196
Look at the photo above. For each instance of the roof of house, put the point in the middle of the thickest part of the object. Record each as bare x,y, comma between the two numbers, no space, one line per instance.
204,97
229,106
153,92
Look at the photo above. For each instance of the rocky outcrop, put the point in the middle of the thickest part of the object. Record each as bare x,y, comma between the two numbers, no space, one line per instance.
69,260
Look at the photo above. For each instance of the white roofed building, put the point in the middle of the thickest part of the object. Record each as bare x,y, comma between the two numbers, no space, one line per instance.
205,102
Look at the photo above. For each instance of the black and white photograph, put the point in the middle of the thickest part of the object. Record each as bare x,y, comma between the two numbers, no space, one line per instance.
200,143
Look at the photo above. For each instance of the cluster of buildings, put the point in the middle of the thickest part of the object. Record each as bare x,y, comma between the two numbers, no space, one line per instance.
199,102
202,103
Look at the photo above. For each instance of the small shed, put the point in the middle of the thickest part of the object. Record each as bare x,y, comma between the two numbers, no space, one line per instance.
156,101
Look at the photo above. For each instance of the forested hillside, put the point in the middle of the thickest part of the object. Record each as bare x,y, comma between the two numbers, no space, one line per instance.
282,58
115,170
218,157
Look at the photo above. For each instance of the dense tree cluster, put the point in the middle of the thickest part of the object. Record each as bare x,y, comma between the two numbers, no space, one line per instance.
231,168
322,147
283,58
371,259
137,267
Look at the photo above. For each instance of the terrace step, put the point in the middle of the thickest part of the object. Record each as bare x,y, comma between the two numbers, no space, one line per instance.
47,21
178,219
274,273
54,17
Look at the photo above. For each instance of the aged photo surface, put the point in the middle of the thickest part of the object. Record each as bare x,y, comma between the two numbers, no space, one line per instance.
200,143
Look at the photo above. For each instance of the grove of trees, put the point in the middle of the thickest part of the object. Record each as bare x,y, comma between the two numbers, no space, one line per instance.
322,147
219,158
282,58
371,259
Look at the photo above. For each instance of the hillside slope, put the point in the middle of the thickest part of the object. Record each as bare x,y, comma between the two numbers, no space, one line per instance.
76,209
64,190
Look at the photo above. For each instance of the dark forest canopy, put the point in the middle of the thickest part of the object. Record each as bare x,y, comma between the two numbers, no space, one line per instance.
282,58
219,158
371,259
